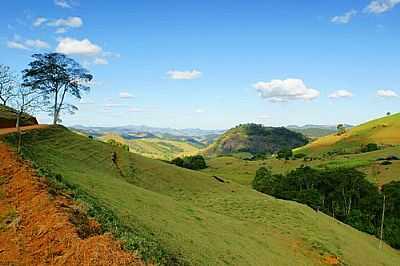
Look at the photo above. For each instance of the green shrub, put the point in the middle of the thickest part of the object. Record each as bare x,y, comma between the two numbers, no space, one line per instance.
369,147
196,162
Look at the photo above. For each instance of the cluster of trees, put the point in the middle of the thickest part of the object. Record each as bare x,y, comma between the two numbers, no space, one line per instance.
49,79
370,147
118,144
343,193
196,162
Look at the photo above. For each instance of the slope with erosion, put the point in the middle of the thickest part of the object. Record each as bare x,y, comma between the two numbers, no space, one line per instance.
199,219
384,131
36,228
8,118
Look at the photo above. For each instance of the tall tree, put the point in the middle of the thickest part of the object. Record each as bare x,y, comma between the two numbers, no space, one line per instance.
57,76
7,84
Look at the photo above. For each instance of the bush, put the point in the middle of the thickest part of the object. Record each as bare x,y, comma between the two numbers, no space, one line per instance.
196,162
370,147
299,155
285,154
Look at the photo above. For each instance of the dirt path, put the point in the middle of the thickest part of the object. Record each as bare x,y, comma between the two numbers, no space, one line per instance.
4,131
35,229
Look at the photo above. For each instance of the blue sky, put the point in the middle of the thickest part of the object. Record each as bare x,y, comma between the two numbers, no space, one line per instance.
214,64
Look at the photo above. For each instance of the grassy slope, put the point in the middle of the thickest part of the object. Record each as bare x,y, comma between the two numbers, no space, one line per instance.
156,148
190,213
383,131
243,172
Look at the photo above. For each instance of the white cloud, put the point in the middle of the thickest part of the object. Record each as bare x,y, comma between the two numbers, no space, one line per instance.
285,90
192,74
381,6
341,94
16,45
63,3
386,93
100,61
72,22
39,21
39,44
125,95
28,44
71,46
61,30
200,111
344,19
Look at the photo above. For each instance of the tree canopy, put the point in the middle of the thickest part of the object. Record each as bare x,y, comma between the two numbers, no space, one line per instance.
57,76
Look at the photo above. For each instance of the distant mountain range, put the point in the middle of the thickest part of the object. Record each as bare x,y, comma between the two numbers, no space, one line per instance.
188,132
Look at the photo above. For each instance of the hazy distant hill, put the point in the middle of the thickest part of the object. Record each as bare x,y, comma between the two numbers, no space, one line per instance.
255,139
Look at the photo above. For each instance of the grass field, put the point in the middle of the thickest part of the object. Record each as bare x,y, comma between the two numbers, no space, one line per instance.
156,148
243,172
192,215
383,131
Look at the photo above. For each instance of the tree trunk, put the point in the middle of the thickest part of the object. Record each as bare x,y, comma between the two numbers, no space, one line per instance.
19,134
55,118
383,219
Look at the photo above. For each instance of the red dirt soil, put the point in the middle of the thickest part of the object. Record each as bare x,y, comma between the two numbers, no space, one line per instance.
4,131
38,230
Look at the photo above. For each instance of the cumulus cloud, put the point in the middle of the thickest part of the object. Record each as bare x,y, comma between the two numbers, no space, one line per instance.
70,46
61,30
192,74
39,21
125,95
28,44
71,22
341,94
344,19
63,3
100,61
285,90
381,6
16,45
386,93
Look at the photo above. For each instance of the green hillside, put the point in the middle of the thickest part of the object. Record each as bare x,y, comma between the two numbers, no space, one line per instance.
8,118
243,171
196,218
156,148
384,131
255,139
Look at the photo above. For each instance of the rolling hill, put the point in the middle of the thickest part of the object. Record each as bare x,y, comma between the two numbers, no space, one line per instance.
154,147
384,131
313,131
8,118
255,139
196,219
